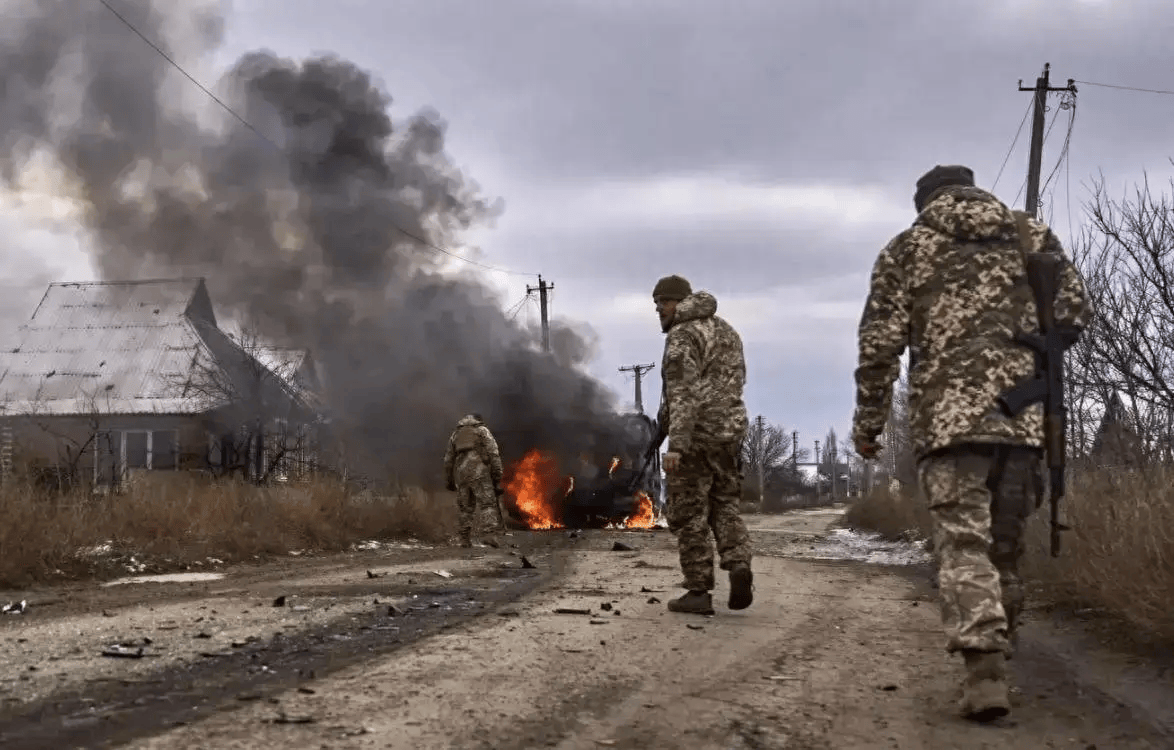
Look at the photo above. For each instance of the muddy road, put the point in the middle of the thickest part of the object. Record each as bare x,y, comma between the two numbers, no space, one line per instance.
558,641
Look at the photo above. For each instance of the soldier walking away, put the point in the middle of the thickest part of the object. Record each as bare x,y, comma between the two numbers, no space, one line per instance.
472,469
704,418
954,289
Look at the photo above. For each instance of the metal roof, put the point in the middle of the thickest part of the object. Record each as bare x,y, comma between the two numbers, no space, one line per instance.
113,348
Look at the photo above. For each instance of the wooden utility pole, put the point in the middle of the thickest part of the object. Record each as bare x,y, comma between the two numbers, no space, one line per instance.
1035,159
818,482
542,289
834,472
761,450
795,452
638,371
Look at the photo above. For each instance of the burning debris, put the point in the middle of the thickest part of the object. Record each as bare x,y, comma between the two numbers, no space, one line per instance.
546,498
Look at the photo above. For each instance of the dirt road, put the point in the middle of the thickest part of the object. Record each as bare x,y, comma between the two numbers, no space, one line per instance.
833,654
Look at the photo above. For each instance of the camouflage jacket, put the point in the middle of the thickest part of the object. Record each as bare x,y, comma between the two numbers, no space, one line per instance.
472,438
953,288
702,376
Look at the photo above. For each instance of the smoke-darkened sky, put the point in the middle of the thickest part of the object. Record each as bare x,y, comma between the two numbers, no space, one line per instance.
765,150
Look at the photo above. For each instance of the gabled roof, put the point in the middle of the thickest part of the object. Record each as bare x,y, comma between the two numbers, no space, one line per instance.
113,348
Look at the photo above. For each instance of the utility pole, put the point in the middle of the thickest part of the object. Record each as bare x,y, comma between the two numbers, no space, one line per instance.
761,460
638,371
542,289
818,482
1035,159
795,452
835,471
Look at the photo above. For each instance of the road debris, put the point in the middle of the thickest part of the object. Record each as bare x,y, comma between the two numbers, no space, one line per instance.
14,608
527,564
124,651
283,718
571,611
394,611
691,626
443,573
621,547
598,622
375,575
653,600
279,601
606,606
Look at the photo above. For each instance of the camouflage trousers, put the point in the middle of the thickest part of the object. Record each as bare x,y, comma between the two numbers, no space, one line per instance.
477,506
980,497
703,496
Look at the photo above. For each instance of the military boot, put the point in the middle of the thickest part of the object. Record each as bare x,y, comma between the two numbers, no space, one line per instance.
984,691
741,586
693,603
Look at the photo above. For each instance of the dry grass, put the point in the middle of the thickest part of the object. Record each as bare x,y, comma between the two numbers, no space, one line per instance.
1119,558
893,515
181,519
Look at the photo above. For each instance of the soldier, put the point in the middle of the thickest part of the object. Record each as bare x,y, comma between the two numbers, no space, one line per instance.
472,469
704,418
953,287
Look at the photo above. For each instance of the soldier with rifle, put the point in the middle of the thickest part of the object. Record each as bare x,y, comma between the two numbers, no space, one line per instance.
704,417
986,301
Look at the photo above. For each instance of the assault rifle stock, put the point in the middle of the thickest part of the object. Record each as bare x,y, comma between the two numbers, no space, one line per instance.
1047,385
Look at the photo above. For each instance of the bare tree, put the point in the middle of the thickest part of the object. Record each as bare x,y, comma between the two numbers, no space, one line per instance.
1126,259
764,448
263,427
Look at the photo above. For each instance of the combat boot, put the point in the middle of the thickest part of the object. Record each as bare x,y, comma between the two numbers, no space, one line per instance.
693,603
741,586
984,691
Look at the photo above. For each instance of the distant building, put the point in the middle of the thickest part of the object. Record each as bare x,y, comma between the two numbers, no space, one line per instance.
1116,443
113,378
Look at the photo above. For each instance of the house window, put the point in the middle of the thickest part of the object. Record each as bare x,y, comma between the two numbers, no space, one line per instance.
150,449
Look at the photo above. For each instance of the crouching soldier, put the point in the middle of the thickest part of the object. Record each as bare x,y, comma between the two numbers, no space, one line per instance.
472,469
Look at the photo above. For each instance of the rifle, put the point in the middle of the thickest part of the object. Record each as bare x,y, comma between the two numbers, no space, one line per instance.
649,455
1046,385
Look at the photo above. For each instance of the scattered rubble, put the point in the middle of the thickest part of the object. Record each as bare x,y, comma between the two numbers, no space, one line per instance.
621,547
15,608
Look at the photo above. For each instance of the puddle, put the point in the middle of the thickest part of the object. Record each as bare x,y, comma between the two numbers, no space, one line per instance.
847,544
168,578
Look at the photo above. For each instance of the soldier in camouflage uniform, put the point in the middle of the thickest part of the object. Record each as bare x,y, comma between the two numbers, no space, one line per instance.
702,413
953,288
472,469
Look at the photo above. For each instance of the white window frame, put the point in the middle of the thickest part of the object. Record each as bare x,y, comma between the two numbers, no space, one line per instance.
150,448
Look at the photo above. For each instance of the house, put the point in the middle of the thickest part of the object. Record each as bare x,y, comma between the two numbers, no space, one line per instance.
113,378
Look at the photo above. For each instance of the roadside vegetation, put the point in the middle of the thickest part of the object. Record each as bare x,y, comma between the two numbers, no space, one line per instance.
180,521
1118,558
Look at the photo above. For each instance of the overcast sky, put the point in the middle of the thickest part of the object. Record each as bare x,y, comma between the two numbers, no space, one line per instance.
766,150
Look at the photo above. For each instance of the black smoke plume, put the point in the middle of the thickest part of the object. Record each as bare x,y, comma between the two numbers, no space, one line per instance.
296,217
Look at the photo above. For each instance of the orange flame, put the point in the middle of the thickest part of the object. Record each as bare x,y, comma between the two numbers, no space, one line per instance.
531,484
643,518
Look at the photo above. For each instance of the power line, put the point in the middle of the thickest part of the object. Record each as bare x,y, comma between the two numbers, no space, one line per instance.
1055,116
1127,88
1013,142
265,138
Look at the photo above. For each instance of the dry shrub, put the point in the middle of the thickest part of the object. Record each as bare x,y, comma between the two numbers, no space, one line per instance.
893,515
185,517
1119,555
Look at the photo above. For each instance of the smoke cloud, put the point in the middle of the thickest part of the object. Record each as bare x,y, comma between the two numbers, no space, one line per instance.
298,229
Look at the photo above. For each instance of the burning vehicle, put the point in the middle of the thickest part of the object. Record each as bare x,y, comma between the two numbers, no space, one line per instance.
621,490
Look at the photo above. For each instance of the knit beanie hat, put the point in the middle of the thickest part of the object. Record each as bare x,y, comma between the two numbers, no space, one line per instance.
940,177
672,287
